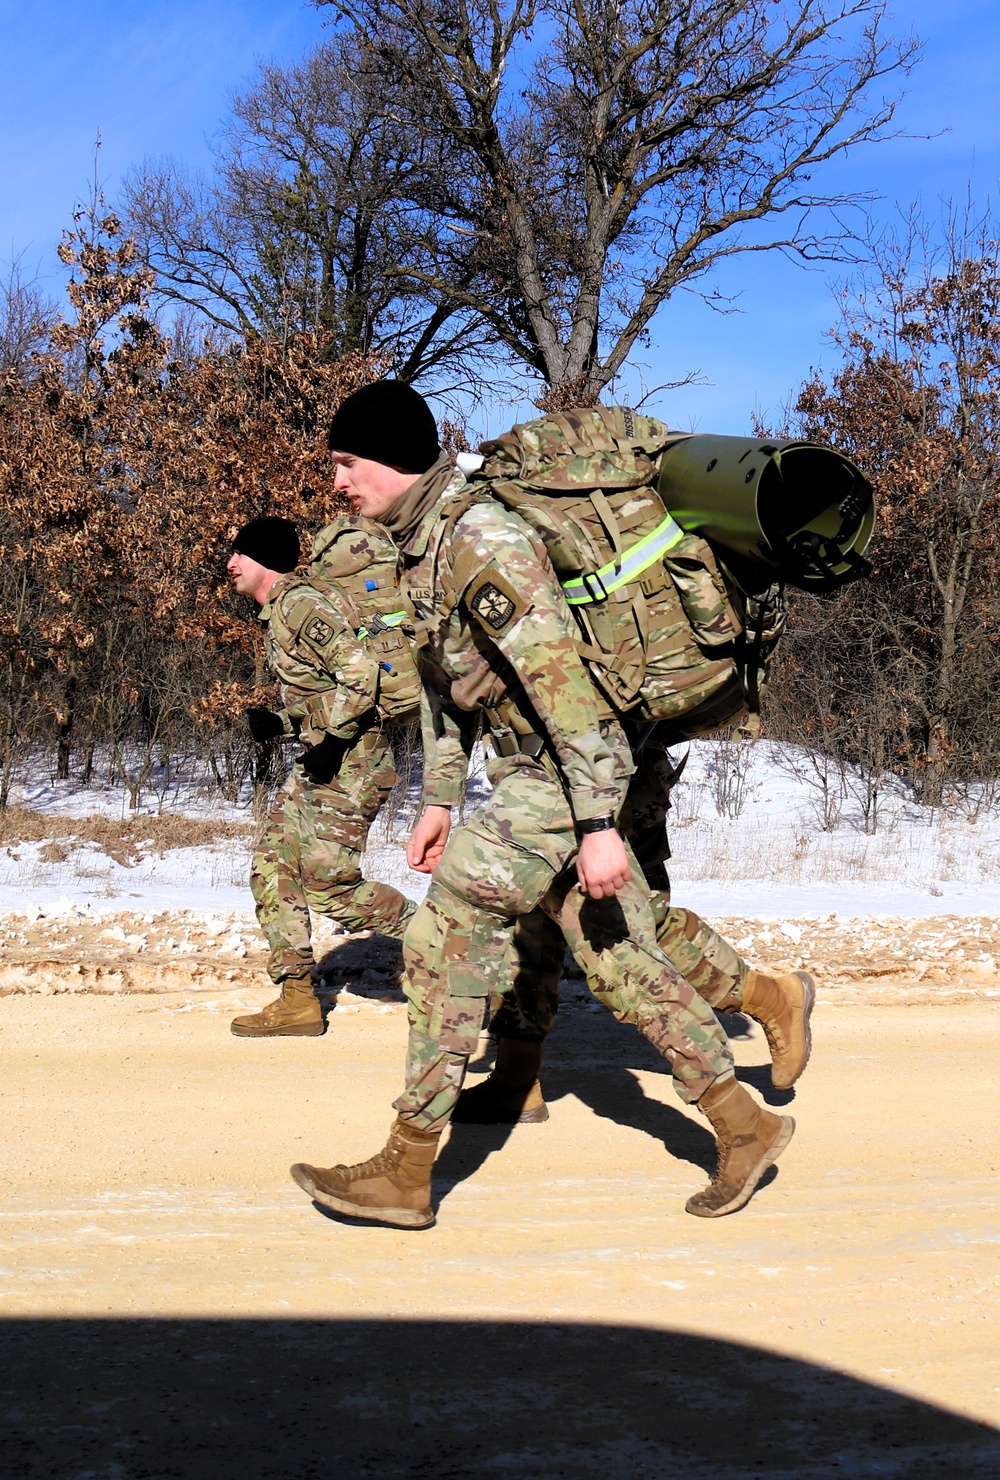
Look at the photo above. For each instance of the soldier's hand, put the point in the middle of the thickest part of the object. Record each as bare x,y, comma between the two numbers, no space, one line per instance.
323,761
264,725
602,864
428,839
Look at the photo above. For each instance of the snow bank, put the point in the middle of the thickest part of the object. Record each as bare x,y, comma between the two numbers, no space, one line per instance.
773,860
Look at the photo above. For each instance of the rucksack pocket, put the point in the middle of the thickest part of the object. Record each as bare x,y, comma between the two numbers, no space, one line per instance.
698,701
399,681
699,584
686,681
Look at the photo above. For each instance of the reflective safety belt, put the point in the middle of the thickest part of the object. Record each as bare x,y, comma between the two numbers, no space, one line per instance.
599,584
382,624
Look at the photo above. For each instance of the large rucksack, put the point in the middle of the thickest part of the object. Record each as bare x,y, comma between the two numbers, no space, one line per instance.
664,635
354,561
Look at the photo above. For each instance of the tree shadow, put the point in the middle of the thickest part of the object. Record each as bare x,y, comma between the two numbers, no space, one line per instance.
190,1399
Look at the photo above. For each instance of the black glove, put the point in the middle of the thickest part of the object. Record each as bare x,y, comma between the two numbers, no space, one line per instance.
322,761
264,725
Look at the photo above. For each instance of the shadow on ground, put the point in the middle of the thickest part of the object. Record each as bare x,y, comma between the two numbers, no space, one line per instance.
589,1054
366,965
211,1400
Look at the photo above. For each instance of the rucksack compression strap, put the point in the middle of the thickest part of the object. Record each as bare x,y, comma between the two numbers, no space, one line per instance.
599,584
380,623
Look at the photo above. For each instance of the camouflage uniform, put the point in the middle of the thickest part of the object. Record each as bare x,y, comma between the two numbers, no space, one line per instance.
310,855
702,956
499,638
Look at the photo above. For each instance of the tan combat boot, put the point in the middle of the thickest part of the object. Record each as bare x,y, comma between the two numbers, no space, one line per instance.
393,1187
750,1139
783,1006
511,1094
295,1014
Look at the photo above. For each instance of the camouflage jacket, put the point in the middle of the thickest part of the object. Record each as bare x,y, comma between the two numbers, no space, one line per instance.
496,632
328,682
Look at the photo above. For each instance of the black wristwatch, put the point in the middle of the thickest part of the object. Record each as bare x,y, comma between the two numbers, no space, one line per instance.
596,824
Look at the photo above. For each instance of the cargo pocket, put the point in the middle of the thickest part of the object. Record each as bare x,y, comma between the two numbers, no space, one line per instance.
463,1012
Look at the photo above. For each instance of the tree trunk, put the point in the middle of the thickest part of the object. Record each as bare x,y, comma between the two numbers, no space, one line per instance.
64,745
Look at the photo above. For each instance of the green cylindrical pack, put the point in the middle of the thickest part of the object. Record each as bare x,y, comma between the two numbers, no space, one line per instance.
780,510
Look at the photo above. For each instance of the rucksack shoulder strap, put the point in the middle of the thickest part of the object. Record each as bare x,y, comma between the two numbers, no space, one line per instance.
349,544
451,512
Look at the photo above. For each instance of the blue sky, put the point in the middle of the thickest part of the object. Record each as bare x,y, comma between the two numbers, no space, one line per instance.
156,79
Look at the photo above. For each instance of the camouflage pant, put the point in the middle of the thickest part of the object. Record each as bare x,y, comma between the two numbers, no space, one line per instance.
310,856
504,878
704,958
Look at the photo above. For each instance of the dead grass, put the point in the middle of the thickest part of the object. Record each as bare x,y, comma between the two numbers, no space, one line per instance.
124,840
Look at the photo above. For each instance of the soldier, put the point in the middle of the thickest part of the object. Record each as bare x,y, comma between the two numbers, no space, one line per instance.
310,855
500,641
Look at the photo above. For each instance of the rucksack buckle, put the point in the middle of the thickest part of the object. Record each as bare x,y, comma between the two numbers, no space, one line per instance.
594,586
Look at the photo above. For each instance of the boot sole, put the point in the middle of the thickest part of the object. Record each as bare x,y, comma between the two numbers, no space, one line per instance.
808,1003
749,1187
395,1217
290,1030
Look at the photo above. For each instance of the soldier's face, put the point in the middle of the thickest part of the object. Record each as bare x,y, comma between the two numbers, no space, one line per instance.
248,576
371,487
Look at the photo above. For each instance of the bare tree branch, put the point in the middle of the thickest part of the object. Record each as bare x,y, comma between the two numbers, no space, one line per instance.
609,154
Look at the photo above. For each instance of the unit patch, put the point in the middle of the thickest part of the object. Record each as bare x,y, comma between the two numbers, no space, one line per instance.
494,601
319,632
492,606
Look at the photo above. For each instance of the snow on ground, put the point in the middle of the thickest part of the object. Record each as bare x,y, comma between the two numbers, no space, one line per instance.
772,861
191,798
210,878
775,859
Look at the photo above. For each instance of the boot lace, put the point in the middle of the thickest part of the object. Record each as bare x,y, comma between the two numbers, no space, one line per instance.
381,1164
775,1038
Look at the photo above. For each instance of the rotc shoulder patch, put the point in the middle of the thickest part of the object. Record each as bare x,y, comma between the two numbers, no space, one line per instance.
318,631
493,601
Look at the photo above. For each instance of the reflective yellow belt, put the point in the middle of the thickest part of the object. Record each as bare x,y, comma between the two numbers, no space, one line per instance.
599,584
380,624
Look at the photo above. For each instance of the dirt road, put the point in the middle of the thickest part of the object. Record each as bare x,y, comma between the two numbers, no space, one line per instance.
175,1306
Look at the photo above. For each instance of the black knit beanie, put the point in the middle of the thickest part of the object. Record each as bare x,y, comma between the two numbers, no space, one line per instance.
388,422
272,542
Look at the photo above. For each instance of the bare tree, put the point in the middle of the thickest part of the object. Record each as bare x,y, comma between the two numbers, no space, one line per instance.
614,153
317,218
917,402
26,318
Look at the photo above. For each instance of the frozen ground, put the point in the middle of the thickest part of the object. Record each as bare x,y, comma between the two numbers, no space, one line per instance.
776,860
772,861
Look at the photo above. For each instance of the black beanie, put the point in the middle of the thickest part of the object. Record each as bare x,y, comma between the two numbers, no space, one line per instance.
272,542
388,422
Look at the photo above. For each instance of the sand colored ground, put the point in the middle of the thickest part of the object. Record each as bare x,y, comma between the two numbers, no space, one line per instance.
175,1306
